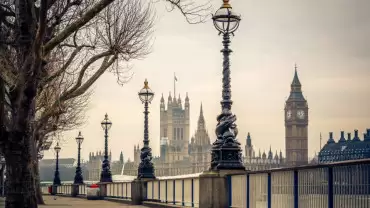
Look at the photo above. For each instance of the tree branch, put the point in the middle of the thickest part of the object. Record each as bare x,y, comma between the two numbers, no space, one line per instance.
85,67
104,66
76,25
193,13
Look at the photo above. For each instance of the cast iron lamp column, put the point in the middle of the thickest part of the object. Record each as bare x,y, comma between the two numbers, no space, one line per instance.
78,177
146,167
226,151
106,175
56,181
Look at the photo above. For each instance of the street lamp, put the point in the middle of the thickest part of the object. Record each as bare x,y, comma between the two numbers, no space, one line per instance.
146,167
56,181
106,175
78,177
226,151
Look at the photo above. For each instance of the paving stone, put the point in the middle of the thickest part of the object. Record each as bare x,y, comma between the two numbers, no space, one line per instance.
66,202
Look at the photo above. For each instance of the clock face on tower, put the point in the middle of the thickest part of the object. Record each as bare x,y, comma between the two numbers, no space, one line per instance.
300,114
289,114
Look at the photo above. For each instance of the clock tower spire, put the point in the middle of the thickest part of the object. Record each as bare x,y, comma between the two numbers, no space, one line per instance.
296,124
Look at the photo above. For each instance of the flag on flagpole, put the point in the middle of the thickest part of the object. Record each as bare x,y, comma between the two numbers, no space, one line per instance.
175,78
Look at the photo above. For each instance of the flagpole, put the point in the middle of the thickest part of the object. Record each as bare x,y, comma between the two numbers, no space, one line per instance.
174,85
320,141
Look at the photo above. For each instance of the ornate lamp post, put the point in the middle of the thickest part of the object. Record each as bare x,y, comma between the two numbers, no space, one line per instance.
146,168
78,177
106,175
226,151
56,181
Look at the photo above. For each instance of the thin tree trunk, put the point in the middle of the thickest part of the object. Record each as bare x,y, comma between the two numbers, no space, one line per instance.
20,183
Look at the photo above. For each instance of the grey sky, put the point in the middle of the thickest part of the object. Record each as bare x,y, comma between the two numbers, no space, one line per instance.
329,41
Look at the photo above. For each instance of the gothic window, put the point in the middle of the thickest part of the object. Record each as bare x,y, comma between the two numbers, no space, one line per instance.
174,134
178,133
165,132
182,133
294,156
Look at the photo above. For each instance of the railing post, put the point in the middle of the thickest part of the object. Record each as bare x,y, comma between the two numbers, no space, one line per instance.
183,195
159,190
174,192
152,189
192,192
230,190
295,191
330,188
126,191
166,192
247,196
146,191
269,190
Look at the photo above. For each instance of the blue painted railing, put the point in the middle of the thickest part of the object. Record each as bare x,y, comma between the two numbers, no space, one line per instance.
335,185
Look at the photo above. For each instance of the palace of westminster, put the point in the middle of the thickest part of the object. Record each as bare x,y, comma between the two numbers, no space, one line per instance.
178,155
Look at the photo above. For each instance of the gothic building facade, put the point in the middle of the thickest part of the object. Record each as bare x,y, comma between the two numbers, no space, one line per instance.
94,165
200,146
178,155
263,161
296,125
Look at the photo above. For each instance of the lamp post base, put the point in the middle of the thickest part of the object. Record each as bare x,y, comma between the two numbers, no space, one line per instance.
57,181
226,155
78,179
106,177
145,171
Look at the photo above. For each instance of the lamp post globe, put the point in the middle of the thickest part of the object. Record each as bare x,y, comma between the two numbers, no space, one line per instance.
106,124
146,95
78,176
226,151
225,20
56,181
146,167
106,175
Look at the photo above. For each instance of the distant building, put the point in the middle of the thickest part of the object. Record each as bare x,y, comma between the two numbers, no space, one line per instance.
67,169
177,154
296,125
117,166
345,149
94,165
200,146
261,161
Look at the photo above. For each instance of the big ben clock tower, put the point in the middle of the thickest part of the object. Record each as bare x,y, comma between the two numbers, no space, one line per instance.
296,125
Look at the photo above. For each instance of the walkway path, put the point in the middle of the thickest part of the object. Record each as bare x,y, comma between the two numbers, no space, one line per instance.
64,202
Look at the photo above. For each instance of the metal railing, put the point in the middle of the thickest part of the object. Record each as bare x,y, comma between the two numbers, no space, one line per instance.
119,190
335,185
65,189
180,190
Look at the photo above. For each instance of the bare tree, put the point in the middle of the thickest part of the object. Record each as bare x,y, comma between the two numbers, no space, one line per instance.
68,115
51,53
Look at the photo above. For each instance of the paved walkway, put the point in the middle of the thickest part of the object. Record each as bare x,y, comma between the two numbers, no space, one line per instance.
64,202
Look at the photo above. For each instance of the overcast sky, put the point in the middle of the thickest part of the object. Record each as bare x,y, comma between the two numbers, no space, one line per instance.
328,39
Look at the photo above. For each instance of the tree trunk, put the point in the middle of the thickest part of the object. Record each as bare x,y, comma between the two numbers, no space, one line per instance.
36,172
20,183
35,168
